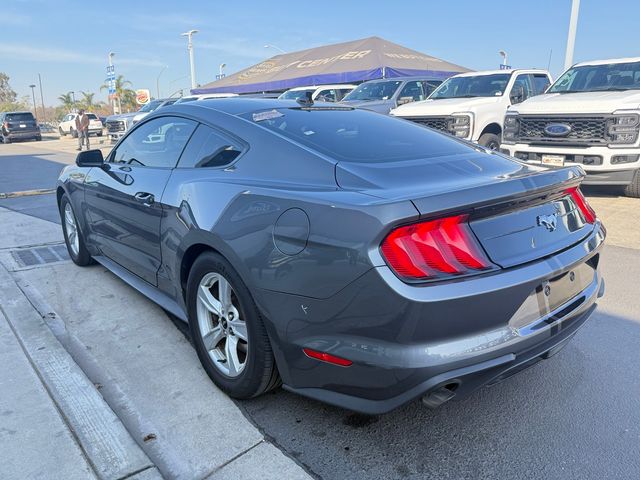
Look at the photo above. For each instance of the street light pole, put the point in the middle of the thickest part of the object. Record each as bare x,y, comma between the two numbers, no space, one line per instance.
274,47
503,54
112,99
158,80
189,35
222,65
44,115
33,94
571,37
73,96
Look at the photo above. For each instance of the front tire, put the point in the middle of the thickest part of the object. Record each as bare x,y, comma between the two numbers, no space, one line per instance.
227,329
73,237
490,141
62,134
633,189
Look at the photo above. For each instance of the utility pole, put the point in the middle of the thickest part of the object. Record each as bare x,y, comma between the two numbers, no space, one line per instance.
158,80
571,38
33,94
73,96
189,35
44,114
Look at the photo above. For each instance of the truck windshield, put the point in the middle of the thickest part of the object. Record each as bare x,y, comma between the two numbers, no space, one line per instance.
151,106
374,91
595,78
469,87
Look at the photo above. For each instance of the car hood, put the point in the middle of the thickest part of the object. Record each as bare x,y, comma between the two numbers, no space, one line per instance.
122,116
444,106
382,106
580,102
457,177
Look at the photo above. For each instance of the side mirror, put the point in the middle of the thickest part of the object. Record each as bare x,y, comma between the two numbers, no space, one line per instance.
403,100
90,158
517,94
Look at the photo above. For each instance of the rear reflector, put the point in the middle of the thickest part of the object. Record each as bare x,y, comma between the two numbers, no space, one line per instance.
582,204
327,357
434,249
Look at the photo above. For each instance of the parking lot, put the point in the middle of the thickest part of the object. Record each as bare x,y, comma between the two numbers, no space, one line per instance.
572,416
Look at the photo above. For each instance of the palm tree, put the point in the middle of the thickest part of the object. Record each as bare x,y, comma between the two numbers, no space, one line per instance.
66,100
122,90
87,101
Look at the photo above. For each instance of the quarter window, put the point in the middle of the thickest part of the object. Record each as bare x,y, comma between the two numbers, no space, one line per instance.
157,143
209,148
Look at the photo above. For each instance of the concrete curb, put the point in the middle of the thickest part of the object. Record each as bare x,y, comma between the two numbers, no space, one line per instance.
106,443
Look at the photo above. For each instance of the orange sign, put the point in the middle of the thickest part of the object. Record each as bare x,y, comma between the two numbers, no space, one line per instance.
142,96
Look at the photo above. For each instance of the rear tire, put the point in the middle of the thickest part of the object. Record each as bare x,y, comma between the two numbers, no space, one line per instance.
74,133
39,138
210,275
490,141
633,189
73,237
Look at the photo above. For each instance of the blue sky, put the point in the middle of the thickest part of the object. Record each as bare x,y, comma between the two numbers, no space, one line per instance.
68,41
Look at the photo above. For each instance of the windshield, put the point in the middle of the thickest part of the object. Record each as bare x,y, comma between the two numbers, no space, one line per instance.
356,135
295,94
595,78
469,87
151,106
374,91
19,117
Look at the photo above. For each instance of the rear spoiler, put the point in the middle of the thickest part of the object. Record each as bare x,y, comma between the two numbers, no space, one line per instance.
519,189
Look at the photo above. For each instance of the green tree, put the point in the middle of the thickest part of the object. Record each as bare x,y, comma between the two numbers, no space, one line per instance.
67,101
123,93
87,102
7,94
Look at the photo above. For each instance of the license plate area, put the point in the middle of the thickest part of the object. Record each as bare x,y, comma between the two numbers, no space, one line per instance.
552,294
553,160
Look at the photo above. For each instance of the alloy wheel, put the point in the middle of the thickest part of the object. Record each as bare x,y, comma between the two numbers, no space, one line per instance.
72,229
221,325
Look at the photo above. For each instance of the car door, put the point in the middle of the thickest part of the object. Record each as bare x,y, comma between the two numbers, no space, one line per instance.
124,197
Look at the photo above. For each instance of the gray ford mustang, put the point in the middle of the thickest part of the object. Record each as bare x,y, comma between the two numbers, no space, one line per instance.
358,259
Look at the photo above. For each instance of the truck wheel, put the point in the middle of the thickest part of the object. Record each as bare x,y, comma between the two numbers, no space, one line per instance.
633,189
490,141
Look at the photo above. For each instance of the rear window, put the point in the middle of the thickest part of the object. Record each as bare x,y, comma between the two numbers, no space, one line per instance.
92,116
19,117
356,135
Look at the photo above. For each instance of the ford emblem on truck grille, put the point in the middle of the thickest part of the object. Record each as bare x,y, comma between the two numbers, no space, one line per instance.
557,129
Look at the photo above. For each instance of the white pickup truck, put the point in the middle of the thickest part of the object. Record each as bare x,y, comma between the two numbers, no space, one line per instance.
590,117
472,105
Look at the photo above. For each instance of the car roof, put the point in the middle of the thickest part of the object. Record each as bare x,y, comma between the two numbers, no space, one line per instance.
234,105
608,61
17,111
494,72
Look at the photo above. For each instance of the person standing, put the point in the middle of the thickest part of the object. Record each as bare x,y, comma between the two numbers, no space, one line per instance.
82,127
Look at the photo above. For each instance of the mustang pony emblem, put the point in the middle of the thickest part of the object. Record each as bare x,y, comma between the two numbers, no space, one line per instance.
548,221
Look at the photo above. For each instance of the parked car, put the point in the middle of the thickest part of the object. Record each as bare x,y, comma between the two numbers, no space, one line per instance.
68,125
359,259
322,93
589,117
152,106
385,94
18,126
472,105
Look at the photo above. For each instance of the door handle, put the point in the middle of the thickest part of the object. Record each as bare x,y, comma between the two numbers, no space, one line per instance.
144,197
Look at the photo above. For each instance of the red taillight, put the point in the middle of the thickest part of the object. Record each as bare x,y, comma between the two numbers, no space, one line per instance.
327,357
434,249
581,202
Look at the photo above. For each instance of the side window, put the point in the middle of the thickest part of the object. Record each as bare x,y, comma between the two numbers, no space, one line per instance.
157,143
429,86
412,92
209,148
329,95
540,83
521,89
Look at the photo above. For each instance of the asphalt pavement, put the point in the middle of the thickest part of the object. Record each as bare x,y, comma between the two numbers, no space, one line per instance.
574,416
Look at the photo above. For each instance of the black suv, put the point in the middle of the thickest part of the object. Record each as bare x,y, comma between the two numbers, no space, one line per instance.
18,126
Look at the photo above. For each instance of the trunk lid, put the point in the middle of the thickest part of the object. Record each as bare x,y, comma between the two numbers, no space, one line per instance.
518,212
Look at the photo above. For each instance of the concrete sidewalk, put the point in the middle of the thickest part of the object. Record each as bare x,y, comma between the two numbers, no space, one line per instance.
97,382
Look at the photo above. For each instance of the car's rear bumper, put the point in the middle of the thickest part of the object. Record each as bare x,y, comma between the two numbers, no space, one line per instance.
407,342
23,135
